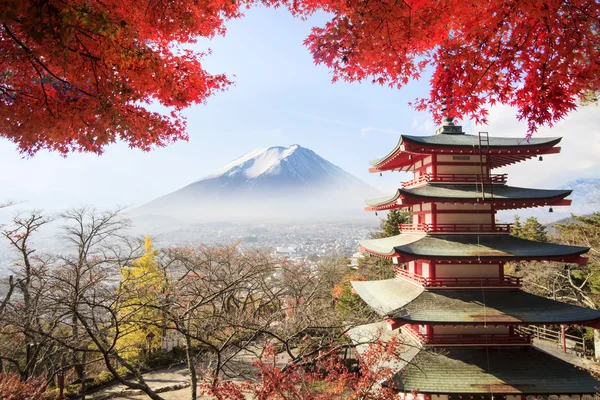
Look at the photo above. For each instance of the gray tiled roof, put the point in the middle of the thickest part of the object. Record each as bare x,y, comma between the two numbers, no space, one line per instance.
468,246
491,306
508,370
500,192
379,201
401,299
472,140
471,192
462,140
387,296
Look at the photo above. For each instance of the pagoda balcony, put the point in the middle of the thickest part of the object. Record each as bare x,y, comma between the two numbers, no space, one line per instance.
455,228
491,339
432,283
499,179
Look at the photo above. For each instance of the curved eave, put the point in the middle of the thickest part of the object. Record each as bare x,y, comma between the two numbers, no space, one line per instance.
383,203
500,196
409,150
390,156
469,248
387,296
386,247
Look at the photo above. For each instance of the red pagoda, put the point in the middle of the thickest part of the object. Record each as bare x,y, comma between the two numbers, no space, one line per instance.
451,297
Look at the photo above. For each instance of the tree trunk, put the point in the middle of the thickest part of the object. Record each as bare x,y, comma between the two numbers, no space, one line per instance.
192,367
84,375
597,344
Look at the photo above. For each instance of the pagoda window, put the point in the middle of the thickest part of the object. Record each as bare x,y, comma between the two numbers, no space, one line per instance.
410,267
426,270
428,218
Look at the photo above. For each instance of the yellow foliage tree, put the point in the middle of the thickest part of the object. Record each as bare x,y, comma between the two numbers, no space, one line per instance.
140,289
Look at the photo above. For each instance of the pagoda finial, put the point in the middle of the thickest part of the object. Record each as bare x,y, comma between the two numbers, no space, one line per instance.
448,121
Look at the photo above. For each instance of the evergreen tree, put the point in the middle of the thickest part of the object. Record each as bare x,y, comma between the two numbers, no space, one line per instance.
530,230
517,228
389,226
533,230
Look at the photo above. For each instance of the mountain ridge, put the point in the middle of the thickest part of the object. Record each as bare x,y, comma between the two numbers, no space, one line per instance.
282,182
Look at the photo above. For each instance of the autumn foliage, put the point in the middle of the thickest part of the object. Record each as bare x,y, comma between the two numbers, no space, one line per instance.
76,75
538,56
12,388
79,74
326,377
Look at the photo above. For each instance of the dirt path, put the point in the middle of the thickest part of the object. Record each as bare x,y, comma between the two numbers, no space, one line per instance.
169,377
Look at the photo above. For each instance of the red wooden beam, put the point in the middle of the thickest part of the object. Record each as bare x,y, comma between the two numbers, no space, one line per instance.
394,324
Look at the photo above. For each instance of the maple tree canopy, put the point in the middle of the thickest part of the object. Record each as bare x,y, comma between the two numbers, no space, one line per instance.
78,74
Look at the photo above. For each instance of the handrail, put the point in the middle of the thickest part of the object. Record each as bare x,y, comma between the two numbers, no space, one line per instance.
462,228
457,178
506,280
543,333
486,338
470,338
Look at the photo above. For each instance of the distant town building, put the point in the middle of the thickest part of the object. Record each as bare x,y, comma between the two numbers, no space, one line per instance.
450,293
285,251
354,259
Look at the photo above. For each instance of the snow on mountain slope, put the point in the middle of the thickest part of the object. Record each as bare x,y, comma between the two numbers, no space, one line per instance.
279,181
277,168
241,164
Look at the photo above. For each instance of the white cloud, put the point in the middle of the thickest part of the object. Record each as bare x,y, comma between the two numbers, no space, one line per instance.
580,147
426,126
370,129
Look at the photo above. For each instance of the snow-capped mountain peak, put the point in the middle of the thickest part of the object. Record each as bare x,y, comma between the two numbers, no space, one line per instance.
257,162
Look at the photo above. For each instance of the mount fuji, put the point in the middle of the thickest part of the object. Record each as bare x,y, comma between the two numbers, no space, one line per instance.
268,184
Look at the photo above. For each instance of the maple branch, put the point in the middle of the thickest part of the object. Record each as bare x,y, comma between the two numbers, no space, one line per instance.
583,11
43,88
11,288
32,57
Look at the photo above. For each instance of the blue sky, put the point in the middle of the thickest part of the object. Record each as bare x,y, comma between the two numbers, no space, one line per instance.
280,98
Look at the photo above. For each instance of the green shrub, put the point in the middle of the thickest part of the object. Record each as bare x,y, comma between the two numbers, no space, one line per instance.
103,378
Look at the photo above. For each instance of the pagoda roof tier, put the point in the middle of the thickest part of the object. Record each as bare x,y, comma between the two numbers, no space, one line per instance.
480,248
501,196
476,370
407,302
503,151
